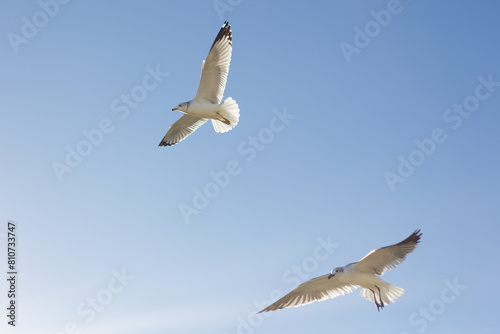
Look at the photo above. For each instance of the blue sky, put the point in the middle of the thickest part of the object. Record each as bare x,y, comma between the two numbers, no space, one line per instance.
360,122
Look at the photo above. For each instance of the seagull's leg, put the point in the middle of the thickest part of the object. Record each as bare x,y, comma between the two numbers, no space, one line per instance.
375,299
380,297
223,119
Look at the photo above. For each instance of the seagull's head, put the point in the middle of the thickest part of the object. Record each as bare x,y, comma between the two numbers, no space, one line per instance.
182,106
335,272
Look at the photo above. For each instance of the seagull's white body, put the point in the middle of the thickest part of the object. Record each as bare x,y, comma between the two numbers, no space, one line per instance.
209,110
204,109
207,102
371,285
345,279
352,276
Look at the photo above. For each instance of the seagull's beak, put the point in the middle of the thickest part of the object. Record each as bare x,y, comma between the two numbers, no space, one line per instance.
330,276
174,109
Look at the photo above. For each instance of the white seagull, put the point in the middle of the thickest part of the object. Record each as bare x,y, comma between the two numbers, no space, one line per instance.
343,280
206,103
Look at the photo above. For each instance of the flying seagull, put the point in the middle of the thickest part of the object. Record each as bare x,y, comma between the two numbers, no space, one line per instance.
207,101
343,280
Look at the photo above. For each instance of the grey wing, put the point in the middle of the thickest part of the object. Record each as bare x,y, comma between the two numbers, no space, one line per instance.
215,68
317,289
184,126
385,258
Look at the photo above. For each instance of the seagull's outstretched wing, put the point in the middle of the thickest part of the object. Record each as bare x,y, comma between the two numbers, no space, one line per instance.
382,259
215,68
317,289
181,129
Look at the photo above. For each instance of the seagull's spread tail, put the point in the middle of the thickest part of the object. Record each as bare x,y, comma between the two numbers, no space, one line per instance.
389,293
229,115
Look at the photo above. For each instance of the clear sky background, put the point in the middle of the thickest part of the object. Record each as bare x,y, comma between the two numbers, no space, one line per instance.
356,128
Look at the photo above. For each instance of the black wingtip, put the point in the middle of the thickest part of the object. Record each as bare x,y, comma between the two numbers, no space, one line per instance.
162,143
267,309
414,237
224,32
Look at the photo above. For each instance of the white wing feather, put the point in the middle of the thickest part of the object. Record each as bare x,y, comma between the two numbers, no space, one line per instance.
385,258
317,289
178,131
215,68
